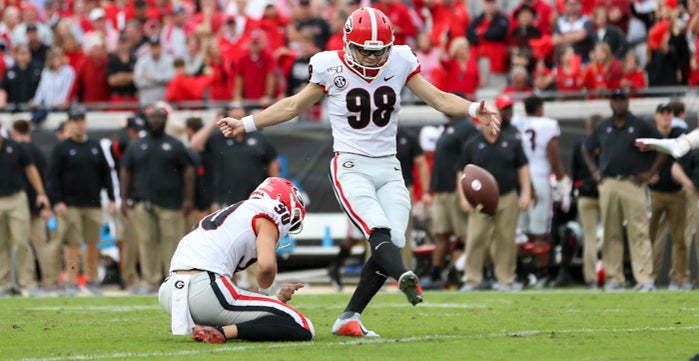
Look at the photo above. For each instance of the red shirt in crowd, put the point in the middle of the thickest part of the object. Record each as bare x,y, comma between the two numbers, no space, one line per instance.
119,16
253,72
185,87
90,85
637,79
402,20
3,66
230,49
597,77
569,80
495,50
222,79
233,48
460,79
215,22
75,58
453,19
511,89
275,30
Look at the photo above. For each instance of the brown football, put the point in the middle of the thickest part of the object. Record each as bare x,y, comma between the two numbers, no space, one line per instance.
480,189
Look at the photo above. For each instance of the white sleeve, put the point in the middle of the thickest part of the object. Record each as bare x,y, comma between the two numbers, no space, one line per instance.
316,65
407,54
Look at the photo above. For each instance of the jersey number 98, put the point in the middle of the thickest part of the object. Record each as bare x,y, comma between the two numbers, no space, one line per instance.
360,101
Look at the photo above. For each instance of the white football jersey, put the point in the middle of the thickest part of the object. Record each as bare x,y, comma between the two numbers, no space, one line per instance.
363,114
536,134
224,242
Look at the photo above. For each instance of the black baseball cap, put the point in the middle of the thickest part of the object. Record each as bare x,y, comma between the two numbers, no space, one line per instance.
76,112
663,107
620,93
135,123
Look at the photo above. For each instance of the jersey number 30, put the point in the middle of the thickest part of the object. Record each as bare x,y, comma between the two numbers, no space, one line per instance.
360,101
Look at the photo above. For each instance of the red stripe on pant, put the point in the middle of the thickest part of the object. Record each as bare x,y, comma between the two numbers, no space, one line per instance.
343,199
275,303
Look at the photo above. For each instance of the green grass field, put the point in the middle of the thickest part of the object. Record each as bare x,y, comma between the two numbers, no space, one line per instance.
571,324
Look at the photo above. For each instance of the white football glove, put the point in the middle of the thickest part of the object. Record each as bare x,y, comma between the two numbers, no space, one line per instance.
564,187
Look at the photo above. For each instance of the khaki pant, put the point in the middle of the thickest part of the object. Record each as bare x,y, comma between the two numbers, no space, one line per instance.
589,214
670,212
619,200
129,251
82,225
447,216
14,239
497,235
48,251
158,231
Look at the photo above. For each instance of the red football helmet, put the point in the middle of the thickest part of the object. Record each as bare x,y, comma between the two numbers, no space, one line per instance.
286,192
367,31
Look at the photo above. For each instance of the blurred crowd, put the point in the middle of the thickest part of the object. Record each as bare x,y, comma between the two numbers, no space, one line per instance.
125,54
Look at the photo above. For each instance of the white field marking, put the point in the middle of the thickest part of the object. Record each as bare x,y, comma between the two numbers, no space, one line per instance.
266,346
97,308
311,305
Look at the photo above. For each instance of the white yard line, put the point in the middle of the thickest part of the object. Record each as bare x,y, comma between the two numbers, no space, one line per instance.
96,308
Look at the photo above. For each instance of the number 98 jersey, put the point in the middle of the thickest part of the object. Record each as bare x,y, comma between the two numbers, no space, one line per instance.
224,242
363,114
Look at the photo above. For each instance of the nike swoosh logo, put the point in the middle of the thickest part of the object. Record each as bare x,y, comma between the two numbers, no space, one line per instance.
388,78
394,168
379,245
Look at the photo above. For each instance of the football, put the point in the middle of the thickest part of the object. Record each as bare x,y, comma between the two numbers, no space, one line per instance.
480,189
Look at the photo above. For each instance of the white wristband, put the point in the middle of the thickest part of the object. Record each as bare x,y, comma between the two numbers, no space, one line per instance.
473,109
265,291
249,124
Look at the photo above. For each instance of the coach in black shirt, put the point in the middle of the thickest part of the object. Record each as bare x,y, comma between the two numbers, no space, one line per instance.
503,156
48,251
240,163
15,164
157,182
669,208
79,171
623,175
20,81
